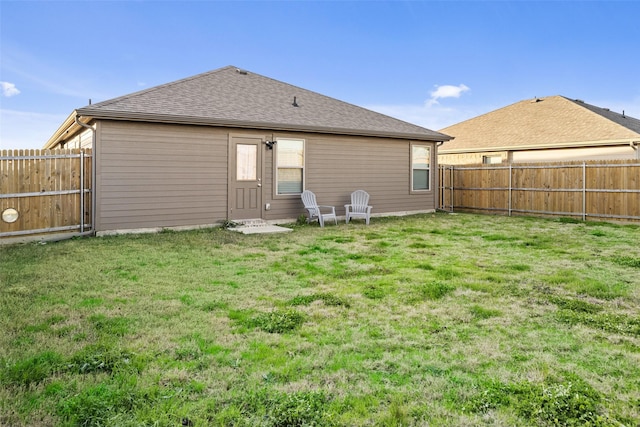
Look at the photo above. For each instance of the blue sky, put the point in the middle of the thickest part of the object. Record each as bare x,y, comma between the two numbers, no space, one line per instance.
430,63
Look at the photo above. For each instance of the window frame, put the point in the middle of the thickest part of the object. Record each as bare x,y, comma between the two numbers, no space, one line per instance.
277,167
491,159
412,189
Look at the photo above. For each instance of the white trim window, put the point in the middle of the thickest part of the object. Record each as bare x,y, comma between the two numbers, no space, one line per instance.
420,167
289,166
491,160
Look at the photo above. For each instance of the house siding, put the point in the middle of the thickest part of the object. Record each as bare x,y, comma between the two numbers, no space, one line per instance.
166,175
619,152
159,175
335,166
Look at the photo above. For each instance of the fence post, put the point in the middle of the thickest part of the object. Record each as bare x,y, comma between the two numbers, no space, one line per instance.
81,190
584,191
510,186
452,174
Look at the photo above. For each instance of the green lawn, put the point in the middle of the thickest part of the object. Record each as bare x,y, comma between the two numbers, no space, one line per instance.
439,320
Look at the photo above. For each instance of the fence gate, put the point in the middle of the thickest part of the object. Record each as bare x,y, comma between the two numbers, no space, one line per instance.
45,191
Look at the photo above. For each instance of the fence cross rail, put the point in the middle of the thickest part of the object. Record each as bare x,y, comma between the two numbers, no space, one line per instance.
45,191
604,189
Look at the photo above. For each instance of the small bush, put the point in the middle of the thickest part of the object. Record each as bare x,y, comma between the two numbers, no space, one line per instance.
278,322
227,223
298,409
566,402
571,402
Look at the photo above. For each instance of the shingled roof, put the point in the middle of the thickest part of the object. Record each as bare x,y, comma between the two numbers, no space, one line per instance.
551,122
232,97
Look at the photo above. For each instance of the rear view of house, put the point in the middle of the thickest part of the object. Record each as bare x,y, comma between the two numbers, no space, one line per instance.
232,144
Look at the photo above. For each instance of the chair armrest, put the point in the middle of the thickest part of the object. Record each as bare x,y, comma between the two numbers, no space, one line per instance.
333,209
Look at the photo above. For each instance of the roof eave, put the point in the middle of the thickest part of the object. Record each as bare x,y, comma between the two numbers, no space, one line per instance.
65,128
194,120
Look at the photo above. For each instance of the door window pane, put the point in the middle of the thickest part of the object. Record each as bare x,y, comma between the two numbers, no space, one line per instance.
246,162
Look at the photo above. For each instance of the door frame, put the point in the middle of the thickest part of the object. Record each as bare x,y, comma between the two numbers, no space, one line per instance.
234,139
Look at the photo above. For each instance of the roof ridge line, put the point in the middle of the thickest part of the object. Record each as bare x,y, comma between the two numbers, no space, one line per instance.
590,107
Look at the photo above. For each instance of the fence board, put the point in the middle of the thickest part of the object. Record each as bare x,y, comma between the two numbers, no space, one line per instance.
45,187
589,190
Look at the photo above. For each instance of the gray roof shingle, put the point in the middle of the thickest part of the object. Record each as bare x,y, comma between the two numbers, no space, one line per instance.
232,97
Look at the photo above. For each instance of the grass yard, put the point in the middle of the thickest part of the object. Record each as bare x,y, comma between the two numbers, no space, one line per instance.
438,320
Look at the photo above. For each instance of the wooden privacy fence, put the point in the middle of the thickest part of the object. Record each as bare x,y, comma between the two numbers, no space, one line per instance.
588,190
44,191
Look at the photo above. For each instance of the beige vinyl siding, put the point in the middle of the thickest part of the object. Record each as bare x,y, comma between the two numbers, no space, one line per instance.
81,140
335,166
160,175
164,175
622,152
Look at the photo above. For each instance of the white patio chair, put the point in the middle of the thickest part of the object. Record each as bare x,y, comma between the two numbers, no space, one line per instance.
359,207
315,211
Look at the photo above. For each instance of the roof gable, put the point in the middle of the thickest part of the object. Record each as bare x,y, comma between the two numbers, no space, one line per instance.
232,97
542,122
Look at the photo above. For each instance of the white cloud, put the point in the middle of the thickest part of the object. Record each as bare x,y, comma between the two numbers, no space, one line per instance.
9,89
446,91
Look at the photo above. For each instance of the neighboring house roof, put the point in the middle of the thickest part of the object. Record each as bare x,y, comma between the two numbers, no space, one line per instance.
232,97
551,122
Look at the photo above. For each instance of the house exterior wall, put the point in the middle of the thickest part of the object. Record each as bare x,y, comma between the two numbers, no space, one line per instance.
471,158
159,175
623,152
163,175
335,166
81,140
619,152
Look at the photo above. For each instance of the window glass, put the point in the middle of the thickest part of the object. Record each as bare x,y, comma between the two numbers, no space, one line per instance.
290,168
246,162
289,181
420,162
491,160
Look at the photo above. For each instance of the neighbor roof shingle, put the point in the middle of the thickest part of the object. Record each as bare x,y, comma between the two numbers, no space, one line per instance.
232,97
552,121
